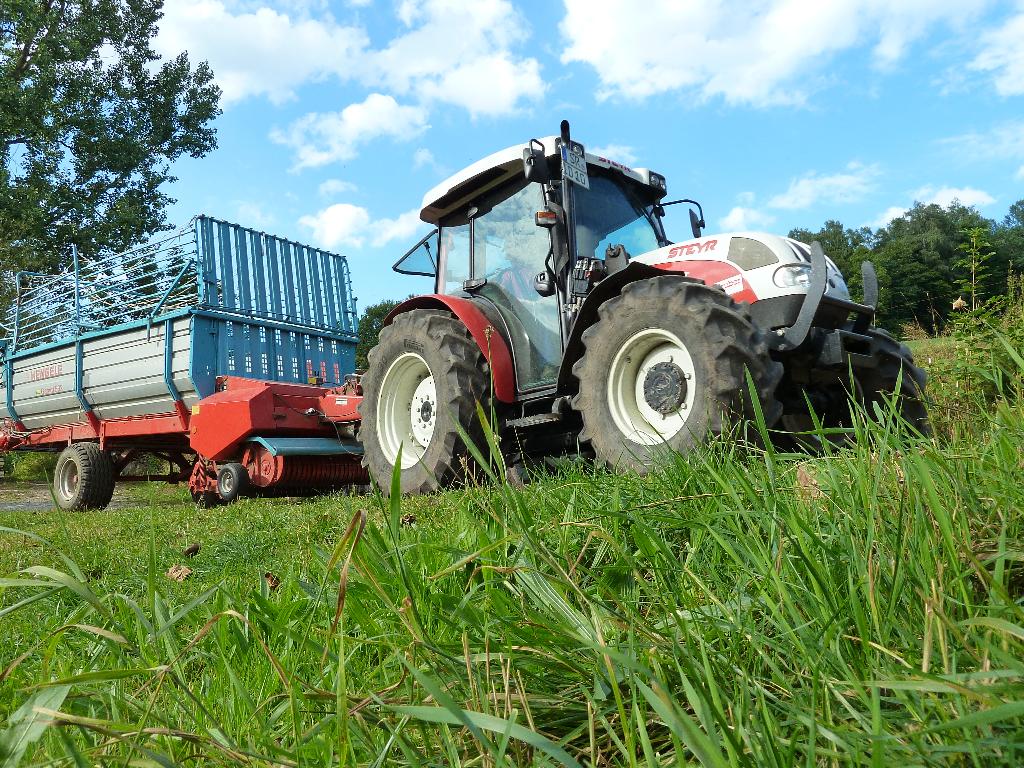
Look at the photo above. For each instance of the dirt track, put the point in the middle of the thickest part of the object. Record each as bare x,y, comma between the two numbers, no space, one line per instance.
34,497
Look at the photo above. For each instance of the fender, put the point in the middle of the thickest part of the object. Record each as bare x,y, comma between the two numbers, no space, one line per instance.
492,345
608,288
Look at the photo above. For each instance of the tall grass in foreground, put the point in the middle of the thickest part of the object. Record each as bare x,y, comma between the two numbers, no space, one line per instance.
735,608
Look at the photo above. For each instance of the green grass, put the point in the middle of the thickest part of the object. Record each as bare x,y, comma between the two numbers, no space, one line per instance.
737,608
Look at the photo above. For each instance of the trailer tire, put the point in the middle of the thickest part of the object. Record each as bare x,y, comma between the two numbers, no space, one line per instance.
83,477
232,482
425,357
664,368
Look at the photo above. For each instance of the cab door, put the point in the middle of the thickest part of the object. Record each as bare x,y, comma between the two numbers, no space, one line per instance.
505,250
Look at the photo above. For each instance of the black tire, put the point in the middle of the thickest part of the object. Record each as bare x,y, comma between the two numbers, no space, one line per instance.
83,477
460,377
232,482
706,387
895,371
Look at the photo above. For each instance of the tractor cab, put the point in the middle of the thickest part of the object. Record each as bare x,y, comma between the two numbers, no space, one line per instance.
527,233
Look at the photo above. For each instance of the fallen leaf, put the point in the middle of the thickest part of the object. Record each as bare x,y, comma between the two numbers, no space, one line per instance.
179,572
409,519
192,550
272,581
808,484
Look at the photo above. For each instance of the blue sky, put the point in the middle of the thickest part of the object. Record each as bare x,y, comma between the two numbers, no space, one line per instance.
338,116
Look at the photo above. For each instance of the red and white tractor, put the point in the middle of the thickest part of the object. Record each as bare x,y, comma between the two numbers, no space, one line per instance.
561,305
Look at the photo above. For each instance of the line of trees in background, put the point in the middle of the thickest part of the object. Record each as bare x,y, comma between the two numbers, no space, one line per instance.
924,261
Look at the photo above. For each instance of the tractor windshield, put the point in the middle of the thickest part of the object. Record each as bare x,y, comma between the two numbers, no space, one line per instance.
612,212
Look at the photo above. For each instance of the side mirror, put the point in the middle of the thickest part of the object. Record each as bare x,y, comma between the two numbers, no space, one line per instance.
696,223
544,283
535,163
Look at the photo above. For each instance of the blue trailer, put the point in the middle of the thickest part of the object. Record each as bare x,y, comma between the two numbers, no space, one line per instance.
113,355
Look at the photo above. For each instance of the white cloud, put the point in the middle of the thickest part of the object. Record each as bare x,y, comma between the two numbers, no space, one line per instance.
813,188
491,85
1020,174
883,219
1002,54
343,224
335,187
322,138
945,196
459,52
620,153
260,51
253,215
337,225
757,52
423,157
1002,142
928,195
741,218
401,228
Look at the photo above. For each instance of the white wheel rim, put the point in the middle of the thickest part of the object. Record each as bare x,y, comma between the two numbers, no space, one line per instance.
67,479
633,415
406,409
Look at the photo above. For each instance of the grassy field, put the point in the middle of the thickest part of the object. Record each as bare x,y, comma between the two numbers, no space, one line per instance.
738,608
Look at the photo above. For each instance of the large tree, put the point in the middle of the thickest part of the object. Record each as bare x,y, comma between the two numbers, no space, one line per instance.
91,119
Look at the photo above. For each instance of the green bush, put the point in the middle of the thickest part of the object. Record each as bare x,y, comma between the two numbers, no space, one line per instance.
28,467
985,339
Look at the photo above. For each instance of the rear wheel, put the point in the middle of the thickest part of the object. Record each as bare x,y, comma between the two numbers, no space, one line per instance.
83,477
664,368
426,375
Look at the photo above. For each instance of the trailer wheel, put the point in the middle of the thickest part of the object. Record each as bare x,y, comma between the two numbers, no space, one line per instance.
84,477
896,371
232,482
663,369
426,375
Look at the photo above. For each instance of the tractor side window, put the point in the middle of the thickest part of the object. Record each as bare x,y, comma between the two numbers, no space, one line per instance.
455,257
509,249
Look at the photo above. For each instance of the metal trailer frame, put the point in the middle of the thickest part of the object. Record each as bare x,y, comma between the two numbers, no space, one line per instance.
213,300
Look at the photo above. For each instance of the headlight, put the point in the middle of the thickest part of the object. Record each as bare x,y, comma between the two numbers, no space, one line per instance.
793,276
657,181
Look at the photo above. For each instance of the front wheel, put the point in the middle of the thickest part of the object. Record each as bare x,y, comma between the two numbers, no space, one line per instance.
663,368
232,482
426,375
83,477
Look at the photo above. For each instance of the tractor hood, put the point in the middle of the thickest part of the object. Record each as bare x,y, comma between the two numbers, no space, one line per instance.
750,262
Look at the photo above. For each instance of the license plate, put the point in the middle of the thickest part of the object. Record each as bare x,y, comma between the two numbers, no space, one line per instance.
574,166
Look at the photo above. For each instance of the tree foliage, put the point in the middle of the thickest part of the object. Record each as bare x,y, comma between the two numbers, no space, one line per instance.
920,259
90,121
370,324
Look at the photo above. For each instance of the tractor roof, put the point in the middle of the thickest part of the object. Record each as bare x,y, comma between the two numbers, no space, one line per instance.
468,184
